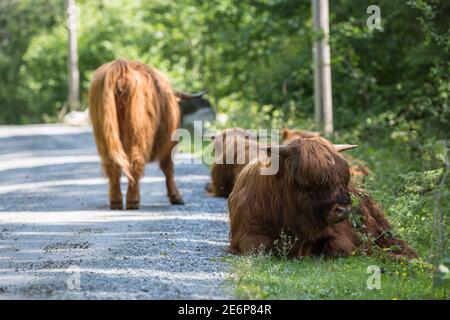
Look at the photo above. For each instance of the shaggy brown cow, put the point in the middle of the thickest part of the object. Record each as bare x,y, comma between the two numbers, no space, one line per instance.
358,170
308,199
224,175
134,112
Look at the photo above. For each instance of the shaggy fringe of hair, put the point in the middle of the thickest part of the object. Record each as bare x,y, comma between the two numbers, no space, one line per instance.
223,176
358,170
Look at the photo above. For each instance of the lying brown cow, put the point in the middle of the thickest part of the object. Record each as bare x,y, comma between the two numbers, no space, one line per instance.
134,112
309,199
223,175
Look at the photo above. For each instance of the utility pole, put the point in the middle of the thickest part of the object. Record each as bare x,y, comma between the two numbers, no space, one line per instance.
323,104
74,74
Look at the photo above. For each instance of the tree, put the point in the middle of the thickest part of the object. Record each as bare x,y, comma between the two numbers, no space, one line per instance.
322,67
74,74
20,21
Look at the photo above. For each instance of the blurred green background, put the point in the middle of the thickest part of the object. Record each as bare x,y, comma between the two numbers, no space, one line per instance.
254,57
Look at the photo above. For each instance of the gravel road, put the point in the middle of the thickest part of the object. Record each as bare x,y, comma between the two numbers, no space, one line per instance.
59,240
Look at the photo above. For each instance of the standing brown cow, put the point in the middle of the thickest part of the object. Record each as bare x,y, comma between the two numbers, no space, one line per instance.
134,112
309,198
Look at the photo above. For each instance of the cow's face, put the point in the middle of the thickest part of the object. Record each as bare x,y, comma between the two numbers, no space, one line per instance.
190,103
330,205
319,178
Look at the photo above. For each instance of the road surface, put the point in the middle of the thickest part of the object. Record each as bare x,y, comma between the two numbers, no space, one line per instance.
59,240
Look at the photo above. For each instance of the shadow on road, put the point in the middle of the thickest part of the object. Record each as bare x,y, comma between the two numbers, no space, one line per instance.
54,219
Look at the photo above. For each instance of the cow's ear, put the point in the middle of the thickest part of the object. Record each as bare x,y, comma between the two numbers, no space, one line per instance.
343,147
284,133
281,150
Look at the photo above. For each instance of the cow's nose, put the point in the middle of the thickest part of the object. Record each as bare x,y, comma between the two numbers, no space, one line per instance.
343,211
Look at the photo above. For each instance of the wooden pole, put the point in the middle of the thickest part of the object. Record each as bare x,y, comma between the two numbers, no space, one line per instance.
74,75
323,104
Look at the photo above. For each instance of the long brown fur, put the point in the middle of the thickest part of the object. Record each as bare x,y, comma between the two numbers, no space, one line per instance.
296,201
223,175
134,112
358,170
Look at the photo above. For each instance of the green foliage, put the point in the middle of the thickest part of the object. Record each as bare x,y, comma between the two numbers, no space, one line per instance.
256,54
284,244
20,22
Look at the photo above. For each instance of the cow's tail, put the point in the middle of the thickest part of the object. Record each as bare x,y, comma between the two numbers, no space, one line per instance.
105,115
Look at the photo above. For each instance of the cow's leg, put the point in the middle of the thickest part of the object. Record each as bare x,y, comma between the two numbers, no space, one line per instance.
133,192
341,246
253,243
174,195
113,173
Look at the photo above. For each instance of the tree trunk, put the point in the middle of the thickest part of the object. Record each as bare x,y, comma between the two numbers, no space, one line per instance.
74,75
323,105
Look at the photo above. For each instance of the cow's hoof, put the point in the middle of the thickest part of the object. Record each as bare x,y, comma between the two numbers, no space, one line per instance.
132,205
116,205
177,200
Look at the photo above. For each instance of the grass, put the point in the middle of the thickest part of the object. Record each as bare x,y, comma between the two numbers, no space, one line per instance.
266,277
405,188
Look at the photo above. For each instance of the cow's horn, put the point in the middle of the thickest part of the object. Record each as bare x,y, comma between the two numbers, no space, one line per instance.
343,147
188,96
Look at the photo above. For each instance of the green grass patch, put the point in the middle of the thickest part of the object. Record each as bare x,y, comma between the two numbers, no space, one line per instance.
267,277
